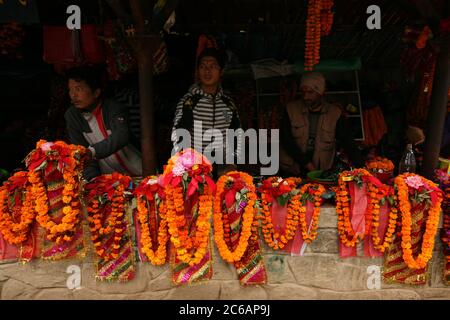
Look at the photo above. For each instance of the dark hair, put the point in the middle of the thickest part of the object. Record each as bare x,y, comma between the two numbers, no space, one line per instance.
90,74
219,55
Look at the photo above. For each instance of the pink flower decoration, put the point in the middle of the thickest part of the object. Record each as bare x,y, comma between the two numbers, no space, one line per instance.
47,146
188,159
178,169
414,182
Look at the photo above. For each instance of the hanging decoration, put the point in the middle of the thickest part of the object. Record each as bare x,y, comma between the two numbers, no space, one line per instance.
55,170
235,231
189,195
283,191
152,221
366,211
107,216
419,202
318,24
310,193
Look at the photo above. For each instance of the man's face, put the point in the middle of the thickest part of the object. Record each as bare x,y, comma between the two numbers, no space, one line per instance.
310,97
209,71
81,94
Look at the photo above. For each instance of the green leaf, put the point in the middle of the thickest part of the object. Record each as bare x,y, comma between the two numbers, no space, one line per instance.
282,200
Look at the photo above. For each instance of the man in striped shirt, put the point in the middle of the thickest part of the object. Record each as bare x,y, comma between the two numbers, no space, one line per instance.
207,113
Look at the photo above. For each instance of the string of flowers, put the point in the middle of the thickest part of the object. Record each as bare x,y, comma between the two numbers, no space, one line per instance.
16,193
187,173
284,191
347,235
412,188
106,212
69,160
234,189
151,204
380,163
318,24
384,194
310,192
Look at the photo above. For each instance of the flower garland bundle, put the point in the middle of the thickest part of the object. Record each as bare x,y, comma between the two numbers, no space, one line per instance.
150,202
234,189
69,160
313,33
284,191
310,192
346,233
186,173
380,164
16,190
106,212
383,194
413,188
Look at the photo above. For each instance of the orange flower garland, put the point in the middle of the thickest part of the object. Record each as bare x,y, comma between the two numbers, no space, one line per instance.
383,193
114,186
188,172
16,232
190,249
346,233
380,163
149,197
221,224
432,222
326,18
272,238
69,160
307,191
313,33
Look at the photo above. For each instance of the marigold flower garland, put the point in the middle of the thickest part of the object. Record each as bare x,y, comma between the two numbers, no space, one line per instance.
186,173
106,212
17,189
150,199
409,184
234,182
379,163
318,23
275,188
69,160
383,194
310,192
346,233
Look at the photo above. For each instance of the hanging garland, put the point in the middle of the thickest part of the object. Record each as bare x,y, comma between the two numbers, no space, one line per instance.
106,213
310,192
187,173
414,188
150,204
284,191
234,189
346,233
318,23
69,160
16,204
383,194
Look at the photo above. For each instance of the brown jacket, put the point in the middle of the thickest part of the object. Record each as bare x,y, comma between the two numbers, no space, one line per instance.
325,143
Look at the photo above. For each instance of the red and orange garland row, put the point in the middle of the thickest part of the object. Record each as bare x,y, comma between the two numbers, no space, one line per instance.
227,188
318,23
151,204
68,159
106,213
16,204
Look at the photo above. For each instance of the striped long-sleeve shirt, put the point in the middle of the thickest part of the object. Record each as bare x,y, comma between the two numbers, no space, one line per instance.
198,111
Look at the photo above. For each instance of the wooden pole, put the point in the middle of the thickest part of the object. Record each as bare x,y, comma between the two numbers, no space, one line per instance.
438,110
144,44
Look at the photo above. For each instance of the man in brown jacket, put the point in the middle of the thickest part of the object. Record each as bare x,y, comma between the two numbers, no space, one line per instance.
310,129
